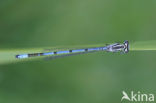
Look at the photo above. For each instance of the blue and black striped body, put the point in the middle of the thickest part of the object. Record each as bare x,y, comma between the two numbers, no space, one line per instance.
117,47
60,52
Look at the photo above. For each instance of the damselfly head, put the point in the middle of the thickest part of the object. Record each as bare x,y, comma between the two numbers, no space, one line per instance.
126,44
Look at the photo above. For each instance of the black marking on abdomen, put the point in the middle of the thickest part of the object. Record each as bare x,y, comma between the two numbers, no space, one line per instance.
32,55
55,52
17,56
70,51
41,54
86,49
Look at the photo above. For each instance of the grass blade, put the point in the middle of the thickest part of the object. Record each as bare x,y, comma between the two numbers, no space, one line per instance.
143,46
8,55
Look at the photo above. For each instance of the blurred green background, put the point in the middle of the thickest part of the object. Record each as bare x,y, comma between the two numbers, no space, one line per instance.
90,78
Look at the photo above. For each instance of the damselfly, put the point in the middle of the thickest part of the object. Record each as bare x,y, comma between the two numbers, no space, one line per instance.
116,47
